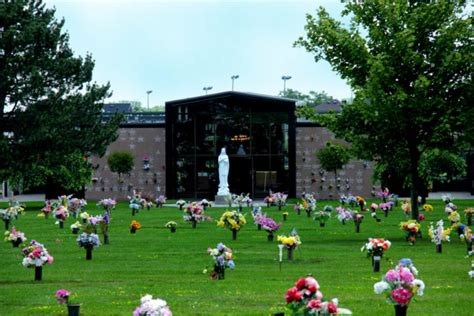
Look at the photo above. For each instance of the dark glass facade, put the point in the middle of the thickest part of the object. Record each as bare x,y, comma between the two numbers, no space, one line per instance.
258,133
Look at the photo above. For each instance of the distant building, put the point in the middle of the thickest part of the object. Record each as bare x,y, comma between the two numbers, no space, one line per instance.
268,147
118,108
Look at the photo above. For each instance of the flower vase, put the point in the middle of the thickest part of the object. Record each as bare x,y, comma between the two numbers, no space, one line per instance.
234,234
299,211
343,221
73,310
439,248
84,221
194,223
133,212
259,227
322,224
284,217
357,227
133,230
279,206
88,252
469,247
181,207
7,224
469,220
38,273
290,253
308,213
16,242
61,224
270,237
268,204
376,263
220,271
173,229
75,231
240,208
386,212
46,215
401,310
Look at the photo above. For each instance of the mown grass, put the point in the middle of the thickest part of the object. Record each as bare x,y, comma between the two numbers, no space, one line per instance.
170,266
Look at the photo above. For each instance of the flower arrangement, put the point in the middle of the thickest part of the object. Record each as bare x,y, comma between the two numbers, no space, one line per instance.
439,234
400,286
361,202
180,204
194,213
107,204
323,215
291,242
75,227
406,207
357,217
150,306
270,226
75,205
172,226
233,220
46,210
134,226
36,255
240,200
285,215
384,194
15,208
221,259
257,217
428,208
298,208
16,237
305,298
62,296
84,216
160,201
386,207
135,202
269,200
376,248
468,238
450,207
454,217
88,241
412,228
61,213
373,211
447,198
468,213
344,215
280,199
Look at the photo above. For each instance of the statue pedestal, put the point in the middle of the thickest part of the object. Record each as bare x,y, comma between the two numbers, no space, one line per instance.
220,200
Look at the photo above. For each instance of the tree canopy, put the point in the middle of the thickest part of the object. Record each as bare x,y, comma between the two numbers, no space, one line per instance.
50,110
410,66
311,99
120,162
333,157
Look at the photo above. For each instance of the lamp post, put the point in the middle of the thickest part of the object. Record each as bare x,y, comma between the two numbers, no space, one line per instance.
148,99
233,78
285,78
206,89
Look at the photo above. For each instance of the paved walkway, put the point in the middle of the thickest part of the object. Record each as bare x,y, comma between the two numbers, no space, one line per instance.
455,195
26,198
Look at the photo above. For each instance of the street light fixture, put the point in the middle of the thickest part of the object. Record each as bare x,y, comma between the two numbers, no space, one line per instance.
233,78
148,99
285,78
206,89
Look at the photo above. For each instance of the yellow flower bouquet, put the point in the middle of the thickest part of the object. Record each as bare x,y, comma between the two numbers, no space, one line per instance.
232,220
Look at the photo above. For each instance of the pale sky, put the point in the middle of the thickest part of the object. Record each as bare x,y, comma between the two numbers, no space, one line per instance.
176,48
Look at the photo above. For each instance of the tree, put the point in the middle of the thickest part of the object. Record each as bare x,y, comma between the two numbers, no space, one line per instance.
411,72
137,107
121,162
332,158
50,111
312,99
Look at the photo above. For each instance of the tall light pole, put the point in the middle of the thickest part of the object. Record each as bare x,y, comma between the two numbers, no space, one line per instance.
285,78
233,78
148,99
206,89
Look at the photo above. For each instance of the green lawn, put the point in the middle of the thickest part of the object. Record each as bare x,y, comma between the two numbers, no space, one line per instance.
170,266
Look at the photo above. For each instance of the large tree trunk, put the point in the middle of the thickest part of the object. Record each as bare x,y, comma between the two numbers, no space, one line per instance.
415,181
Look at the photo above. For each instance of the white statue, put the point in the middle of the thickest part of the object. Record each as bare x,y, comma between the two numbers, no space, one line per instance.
223,161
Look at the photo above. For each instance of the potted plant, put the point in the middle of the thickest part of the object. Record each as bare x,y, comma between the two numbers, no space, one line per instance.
134,226
172,226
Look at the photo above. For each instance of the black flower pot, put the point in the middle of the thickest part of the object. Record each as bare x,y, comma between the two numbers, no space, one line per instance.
259,227
194,222
173,229
401,310
16,243
376,263
73,310
290,253
322,224
75,231
38,273
439,248
234,234
61,224
133,230
88,252
270,237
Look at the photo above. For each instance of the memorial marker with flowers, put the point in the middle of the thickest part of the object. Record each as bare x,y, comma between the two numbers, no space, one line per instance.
400,286
468,213
298,208
361,202
290,242
135,202
468,238
305,298
233,220
270,226
46,210
257,217
194,213
16,237
76,205
36,255
107,204
455,218
60,213
134,226
439,234
344,215
88,242
373,211
172,226
323,215
152,307
75,227
412,228
160,201
376,248
221,259
181,203
358,218
64,297
386,207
